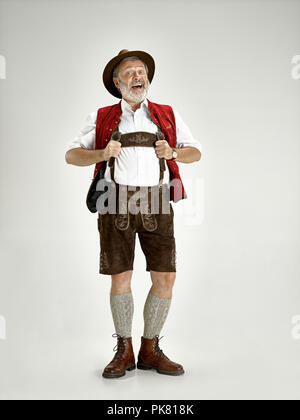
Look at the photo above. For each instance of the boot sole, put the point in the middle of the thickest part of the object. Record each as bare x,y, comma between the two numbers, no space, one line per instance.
111,375
163,372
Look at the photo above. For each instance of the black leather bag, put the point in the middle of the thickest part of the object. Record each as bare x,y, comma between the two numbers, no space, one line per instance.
93,194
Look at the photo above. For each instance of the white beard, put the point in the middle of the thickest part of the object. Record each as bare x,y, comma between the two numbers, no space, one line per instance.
127,93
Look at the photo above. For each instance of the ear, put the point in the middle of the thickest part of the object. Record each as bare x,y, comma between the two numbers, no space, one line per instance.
115,80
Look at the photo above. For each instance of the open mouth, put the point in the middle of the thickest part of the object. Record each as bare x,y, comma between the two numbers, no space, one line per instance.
137,87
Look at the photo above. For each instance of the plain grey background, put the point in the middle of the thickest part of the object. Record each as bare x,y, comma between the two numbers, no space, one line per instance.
226,66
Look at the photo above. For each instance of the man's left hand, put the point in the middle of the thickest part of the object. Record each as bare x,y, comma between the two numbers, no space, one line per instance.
163,150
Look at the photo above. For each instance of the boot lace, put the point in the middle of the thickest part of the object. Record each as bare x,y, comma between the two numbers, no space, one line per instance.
157,349
119,347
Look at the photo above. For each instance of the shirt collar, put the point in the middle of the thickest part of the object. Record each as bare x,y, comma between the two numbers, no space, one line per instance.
126,107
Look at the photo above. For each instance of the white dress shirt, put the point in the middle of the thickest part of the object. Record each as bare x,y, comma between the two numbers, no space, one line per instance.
136,166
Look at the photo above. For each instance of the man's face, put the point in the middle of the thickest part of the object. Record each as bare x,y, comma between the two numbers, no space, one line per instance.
132,73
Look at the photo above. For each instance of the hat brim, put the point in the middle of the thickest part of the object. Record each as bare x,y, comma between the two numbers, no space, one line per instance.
109,68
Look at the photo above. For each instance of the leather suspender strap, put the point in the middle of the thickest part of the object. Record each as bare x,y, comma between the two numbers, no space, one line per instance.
116,135
138,139
162,165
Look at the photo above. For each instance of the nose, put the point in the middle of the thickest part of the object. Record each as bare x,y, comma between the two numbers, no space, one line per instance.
135,75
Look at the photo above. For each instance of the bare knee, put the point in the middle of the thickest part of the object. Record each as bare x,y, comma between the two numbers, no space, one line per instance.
163,280
121,283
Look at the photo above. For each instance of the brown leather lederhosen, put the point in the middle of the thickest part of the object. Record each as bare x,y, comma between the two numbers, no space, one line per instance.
139,139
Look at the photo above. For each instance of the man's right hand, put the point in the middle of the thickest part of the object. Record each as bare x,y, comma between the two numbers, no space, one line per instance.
112,149
80,156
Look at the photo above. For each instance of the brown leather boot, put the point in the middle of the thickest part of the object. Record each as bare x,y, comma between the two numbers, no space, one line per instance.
123,360
152,357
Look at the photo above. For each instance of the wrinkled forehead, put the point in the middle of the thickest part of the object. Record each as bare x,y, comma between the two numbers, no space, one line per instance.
132,63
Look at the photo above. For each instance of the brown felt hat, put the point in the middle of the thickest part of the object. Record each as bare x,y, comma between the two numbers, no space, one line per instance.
109,69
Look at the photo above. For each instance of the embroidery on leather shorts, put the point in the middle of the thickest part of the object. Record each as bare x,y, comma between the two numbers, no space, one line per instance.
104,266
122,221
174,258
149,222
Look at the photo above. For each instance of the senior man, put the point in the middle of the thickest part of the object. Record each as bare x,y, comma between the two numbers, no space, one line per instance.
131,142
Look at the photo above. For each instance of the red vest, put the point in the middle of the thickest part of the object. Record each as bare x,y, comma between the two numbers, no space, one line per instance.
161,115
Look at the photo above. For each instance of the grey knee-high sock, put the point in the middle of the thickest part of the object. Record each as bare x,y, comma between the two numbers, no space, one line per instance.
122,308
155,313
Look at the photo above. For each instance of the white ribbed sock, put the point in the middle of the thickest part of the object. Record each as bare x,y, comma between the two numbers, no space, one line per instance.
122,308
155,313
